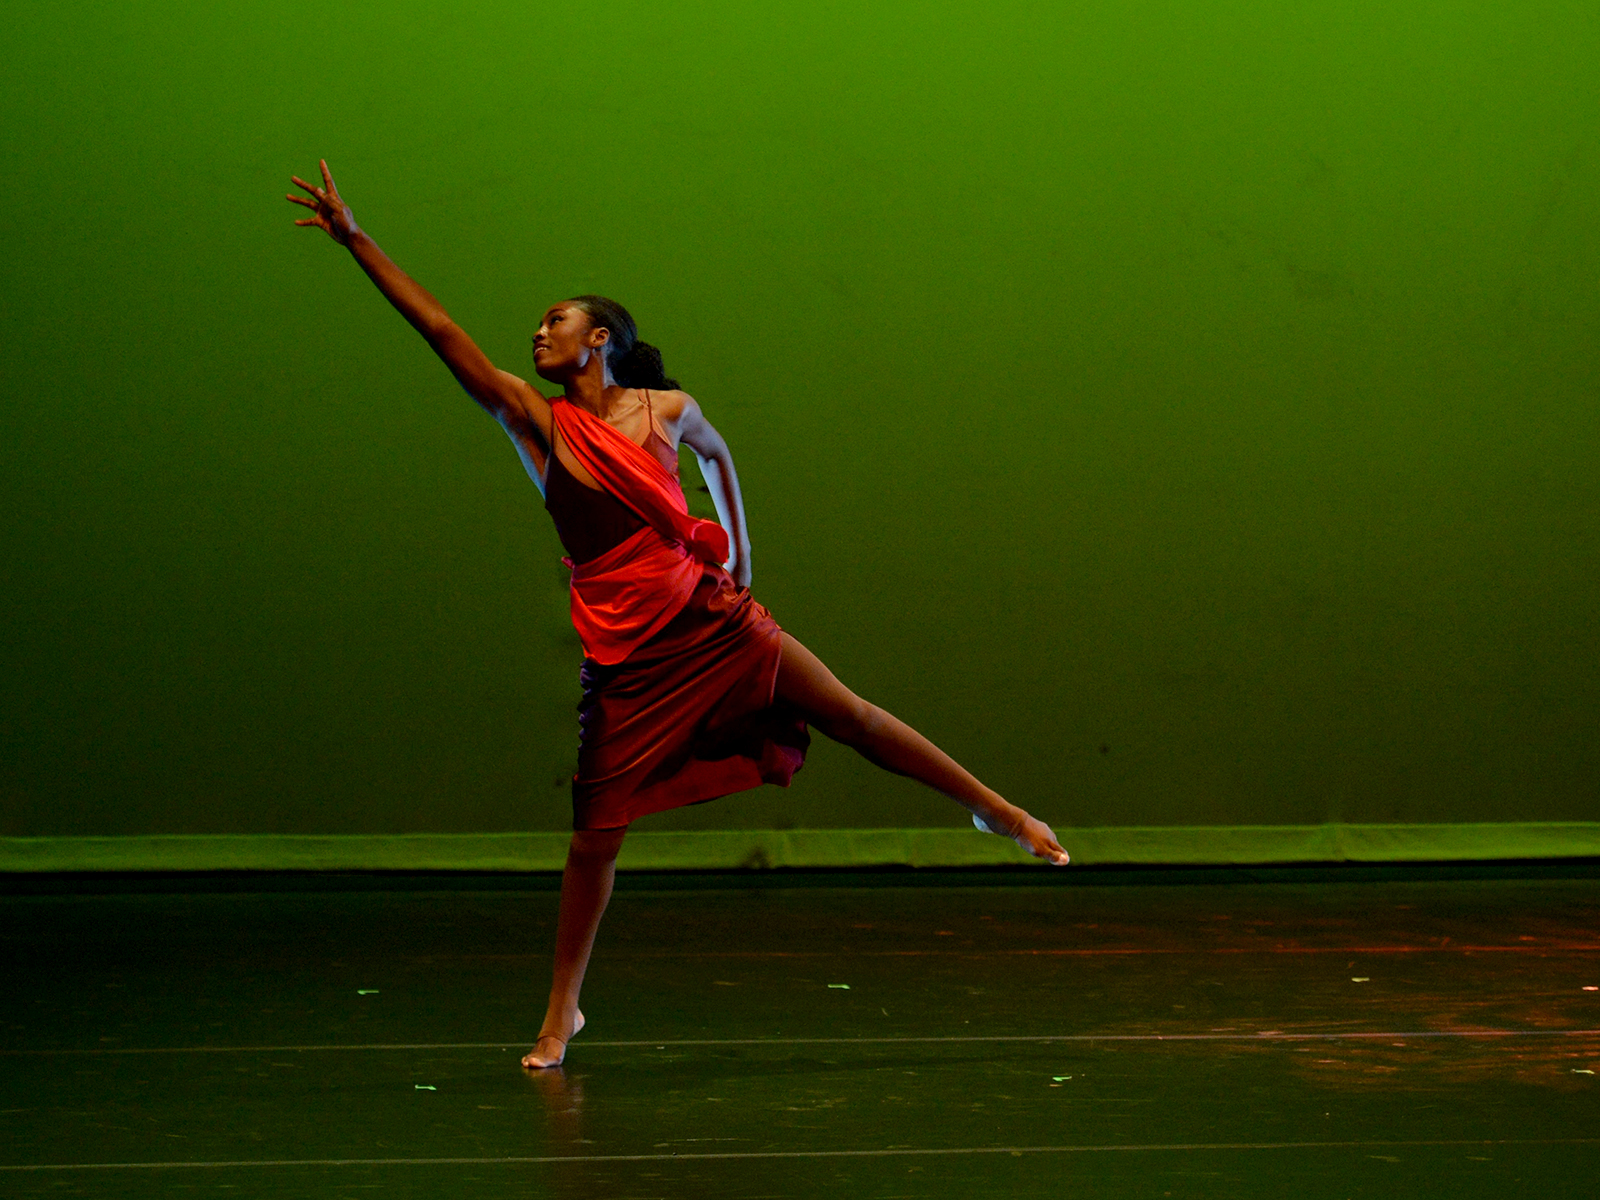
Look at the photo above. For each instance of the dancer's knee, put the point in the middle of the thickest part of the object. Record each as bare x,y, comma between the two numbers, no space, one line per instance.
597,845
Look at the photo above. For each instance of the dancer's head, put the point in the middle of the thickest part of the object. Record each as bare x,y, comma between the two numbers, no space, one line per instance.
575,331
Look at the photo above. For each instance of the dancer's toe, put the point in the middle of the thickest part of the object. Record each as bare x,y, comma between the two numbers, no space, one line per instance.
551,1048
548,1051
1034,836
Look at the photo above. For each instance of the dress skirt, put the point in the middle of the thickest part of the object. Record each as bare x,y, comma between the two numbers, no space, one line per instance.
688,716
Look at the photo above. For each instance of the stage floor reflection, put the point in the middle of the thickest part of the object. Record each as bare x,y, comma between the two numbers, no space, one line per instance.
1314,1034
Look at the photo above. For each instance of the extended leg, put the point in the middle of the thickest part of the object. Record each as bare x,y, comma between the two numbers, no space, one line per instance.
882,738
585,890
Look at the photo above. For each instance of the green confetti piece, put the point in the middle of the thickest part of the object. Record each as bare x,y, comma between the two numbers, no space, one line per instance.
366,991
425,1087
1060,1078
843,986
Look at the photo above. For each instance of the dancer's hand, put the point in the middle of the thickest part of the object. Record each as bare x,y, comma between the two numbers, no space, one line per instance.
332,214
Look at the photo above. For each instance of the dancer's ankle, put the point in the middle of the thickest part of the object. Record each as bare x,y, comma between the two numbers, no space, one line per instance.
562,1021
1006,819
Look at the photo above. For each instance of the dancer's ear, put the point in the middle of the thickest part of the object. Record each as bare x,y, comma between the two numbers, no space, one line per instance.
598,337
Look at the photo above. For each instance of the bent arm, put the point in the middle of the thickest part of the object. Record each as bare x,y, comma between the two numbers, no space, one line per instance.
716,464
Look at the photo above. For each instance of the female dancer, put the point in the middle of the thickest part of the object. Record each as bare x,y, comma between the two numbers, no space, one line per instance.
690,689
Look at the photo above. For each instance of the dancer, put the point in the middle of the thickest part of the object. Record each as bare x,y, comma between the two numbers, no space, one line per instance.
690,689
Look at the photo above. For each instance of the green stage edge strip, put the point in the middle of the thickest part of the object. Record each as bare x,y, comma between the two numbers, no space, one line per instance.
759,849
736,1155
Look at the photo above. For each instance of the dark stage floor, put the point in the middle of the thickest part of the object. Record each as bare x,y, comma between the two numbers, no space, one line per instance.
1309,1036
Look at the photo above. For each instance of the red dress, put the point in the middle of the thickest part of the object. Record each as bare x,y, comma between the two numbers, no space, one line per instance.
680,663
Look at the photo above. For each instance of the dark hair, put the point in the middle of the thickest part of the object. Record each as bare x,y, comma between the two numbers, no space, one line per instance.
633,363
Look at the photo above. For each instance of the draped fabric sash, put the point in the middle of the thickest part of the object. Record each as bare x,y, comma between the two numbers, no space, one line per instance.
625,596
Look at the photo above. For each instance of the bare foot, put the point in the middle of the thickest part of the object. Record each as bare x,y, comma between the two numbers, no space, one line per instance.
551,1048
1033,835
1038,840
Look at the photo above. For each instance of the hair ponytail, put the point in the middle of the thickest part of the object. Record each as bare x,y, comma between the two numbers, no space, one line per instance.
633,363
641,367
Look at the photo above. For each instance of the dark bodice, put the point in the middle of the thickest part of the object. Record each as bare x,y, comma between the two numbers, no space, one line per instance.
590,521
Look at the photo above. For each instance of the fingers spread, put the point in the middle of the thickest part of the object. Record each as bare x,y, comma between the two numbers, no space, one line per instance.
310,187
327,176
293,199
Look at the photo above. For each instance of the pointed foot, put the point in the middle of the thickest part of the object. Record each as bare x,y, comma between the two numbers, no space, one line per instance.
1033,835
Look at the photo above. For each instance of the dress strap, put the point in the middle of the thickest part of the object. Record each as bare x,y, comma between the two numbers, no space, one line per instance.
650,415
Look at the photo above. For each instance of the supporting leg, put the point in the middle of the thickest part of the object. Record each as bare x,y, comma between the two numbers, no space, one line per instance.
585,889
805,683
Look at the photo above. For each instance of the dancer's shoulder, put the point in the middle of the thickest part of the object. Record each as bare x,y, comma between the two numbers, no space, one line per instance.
670,405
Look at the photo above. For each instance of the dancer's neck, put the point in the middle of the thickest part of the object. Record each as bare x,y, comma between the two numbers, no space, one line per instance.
593,388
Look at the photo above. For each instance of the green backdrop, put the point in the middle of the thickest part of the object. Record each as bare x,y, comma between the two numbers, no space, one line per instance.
1184,413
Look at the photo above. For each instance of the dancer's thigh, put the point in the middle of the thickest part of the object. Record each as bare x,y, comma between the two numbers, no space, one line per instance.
806,684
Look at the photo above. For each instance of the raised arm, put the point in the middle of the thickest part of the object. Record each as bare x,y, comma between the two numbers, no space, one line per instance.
716,464
513,402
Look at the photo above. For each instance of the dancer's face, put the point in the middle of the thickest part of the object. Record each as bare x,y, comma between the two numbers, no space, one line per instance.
565,341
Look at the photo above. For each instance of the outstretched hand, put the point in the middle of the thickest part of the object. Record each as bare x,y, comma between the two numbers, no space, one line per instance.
331,214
